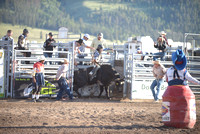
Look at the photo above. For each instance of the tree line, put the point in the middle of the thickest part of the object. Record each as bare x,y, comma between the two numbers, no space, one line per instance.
144,17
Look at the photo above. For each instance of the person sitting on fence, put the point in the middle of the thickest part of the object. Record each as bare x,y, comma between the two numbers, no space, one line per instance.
161,46
8,36
159,73
38,78
22,44
48,46
177,74
64,84
163,34
85,45
96,60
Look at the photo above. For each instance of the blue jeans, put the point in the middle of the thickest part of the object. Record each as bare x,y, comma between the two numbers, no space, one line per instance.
48,55
63,87
158,83
160,55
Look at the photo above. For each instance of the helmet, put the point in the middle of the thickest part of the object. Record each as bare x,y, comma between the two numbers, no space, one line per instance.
25,31
100,47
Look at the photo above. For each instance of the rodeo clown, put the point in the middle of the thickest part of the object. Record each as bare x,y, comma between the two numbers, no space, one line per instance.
38,78
177,74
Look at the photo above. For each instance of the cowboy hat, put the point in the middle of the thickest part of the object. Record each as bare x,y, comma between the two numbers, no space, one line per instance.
80,41
65,61
50,34
162,33
42,58
156,62
179,60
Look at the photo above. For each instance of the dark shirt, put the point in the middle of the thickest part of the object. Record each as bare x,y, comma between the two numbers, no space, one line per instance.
161,45
48,44
21,42
166,40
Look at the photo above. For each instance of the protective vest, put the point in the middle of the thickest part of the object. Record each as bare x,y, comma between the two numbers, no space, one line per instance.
177,80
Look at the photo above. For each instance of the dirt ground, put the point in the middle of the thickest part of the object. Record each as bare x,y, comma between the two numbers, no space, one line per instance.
88,115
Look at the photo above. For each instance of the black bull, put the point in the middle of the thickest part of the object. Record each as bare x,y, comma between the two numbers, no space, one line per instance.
105,76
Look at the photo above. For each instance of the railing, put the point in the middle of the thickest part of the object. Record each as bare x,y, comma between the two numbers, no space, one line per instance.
8,47
141,70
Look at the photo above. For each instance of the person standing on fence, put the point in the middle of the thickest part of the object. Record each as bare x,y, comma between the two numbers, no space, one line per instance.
82,47
38,78
8,36
100,41
63,80
77,46
48,46
159,73
177,74
22,44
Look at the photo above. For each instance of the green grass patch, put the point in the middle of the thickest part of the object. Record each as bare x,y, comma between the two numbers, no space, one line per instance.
97,4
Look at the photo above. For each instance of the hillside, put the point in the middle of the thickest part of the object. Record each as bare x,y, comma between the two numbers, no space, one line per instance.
117,19
34,33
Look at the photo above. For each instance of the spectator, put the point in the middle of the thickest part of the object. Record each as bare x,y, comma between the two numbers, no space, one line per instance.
163,34
100,41
38,78
139,54
22,44
161,46
96,60
177,74
85,45
62,81
77,51
158,72
8,36
48,46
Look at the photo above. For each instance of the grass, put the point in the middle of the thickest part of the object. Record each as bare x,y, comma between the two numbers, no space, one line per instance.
34,33
97,4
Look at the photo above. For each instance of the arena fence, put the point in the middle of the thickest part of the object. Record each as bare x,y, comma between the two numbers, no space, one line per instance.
138,73
6,76
18,73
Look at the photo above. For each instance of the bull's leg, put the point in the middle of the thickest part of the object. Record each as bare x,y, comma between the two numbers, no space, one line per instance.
101,91
107,92
76,90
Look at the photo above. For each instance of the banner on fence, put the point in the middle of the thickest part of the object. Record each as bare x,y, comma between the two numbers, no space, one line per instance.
141,90
1,74
23,88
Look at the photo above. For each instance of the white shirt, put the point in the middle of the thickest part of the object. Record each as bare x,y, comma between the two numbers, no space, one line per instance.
170,73
62,71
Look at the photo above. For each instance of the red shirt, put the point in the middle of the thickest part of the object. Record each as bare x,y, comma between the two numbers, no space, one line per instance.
38,67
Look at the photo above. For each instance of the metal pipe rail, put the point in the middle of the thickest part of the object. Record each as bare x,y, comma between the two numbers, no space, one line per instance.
8,47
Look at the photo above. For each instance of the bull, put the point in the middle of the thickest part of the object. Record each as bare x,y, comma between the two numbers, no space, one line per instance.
104,77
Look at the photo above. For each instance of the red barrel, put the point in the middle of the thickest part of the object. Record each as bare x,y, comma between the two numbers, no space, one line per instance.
178,107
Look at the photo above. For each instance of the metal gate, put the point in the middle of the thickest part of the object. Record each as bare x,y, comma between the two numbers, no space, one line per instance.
22,70
7,48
